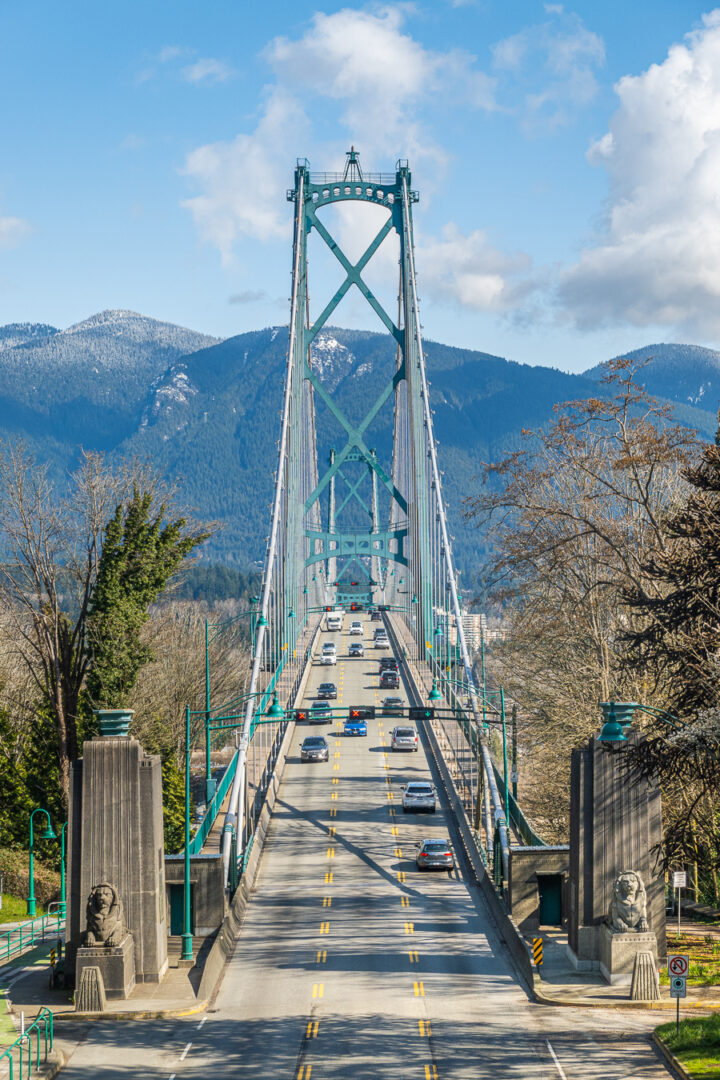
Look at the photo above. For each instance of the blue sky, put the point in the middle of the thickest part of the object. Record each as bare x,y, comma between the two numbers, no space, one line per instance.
567,156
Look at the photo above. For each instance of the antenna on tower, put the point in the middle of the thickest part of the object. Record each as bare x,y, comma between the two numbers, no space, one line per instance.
352,166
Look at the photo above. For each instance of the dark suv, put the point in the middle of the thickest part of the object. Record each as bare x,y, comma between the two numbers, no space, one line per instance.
388,663
389,680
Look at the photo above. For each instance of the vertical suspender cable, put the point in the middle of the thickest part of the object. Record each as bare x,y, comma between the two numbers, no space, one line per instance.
234,816
487,761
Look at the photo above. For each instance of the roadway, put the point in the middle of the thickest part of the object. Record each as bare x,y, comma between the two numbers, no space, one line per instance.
354,964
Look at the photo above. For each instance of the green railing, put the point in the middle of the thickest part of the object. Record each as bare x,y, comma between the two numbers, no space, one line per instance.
26,1047
198,841
27,934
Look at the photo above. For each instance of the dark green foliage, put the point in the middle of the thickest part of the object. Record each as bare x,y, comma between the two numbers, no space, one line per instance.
216,581
174,807
140,553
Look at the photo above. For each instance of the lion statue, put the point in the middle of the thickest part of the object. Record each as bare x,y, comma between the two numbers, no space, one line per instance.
628,907
105,921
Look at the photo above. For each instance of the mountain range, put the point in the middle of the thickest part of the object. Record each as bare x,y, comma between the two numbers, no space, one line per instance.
207,411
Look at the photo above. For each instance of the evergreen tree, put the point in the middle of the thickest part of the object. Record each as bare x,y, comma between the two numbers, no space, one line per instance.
140,552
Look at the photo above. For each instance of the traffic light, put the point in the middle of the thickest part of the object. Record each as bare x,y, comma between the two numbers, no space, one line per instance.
421,712
301,714
361,712
328,607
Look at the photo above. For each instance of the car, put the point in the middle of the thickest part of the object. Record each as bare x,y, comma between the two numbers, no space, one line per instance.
356,628
389,680
393,706
320,713
334,622
379,631
328,654
327,690
403,737
314,748
356,649
419,795
435,854
382,642
388,663
355,726
376,617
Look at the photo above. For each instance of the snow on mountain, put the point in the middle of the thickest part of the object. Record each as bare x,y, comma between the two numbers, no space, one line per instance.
19,333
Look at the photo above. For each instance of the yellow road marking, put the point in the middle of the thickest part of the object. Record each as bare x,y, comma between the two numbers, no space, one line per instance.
331,853
328,877
418,988
336,779
401,876
337,753
413,954
318,989
333,795
386,766
327,901
392,812
325,928
431,1072
305,1071
338,743
409,928
331,830
312,1029
333,810
395,831
398,853
336,768
390,796
425,1029
321,957
405,901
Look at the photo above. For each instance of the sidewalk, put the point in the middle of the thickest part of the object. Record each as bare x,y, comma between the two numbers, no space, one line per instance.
557,982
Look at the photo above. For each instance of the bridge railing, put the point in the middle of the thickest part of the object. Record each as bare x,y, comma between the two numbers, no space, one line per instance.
29,1049
27,934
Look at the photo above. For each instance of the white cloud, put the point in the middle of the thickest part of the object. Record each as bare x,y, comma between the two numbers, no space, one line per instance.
469,271
207,70
13,230
243,182
552,66
171,52
658,261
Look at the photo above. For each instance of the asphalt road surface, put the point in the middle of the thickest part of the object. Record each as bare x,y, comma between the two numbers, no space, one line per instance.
354,964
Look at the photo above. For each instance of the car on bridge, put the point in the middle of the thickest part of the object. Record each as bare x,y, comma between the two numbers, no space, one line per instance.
314,748
381,641
375,617
327,690
356,628
419,795
328,654
320,713
388,663
389,680
356,649
393,706
355,725
403,737
435,854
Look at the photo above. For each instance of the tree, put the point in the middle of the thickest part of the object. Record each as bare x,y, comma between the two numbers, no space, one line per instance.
574,516
140,553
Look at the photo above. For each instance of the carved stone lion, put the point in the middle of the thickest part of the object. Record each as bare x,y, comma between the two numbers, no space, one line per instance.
628,907
105,921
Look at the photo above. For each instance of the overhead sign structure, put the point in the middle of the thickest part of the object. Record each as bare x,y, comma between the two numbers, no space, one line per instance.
678,965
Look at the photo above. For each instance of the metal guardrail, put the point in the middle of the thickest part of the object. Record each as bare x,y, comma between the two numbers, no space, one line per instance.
27,934
40,1032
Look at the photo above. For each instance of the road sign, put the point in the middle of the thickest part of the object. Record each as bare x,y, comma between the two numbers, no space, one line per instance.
679,879
678,965
678,987
421,712
514,778
538,951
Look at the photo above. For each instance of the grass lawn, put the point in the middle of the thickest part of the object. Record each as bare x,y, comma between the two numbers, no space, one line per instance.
14,909
704,953
697,1046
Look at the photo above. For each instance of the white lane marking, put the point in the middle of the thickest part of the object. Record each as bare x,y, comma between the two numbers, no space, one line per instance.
185,1051
201,1022
557,1063
172,1076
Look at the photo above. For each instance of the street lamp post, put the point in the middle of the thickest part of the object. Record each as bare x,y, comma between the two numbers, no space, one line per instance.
187,941
63,905
47,834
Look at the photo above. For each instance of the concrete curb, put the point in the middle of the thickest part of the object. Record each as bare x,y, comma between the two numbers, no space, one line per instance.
677,1066
71,1017
582,1003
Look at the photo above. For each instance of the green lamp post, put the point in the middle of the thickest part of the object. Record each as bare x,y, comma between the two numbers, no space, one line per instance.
46,834
186,955
613,731
276,710
435,694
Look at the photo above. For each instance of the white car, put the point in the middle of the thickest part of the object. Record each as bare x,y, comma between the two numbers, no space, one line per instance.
328,654
356,628
334,622
419,795
402,737
381,642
